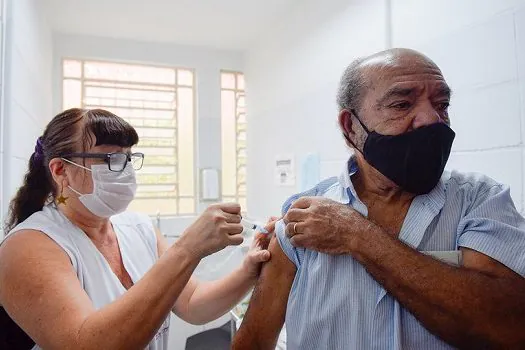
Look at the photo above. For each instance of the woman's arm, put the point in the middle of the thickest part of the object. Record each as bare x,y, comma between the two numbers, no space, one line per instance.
41,292
202,302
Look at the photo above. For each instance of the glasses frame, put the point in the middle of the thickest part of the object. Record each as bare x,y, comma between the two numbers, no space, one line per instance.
107,157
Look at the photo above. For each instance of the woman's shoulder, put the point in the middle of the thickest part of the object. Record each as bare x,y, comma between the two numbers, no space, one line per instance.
35,246
48,226
45,220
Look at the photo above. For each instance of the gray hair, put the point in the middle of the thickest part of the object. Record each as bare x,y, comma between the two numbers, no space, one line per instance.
350,91
351,88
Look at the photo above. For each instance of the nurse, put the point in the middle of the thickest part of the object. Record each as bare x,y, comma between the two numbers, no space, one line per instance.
79,271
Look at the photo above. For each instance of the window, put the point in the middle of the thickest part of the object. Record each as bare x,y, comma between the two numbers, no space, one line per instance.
159,103
233,128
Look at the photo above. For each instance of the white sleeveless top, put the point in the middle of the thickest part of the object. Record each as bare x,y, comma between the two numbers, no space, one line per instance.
138,247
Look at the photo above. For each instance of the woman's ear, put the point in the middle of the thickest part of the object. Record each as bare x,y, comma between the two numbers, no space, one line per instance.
58,170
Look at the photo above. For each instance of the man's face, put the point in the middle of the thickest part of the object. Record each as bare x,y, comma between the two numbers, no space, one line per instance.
402,95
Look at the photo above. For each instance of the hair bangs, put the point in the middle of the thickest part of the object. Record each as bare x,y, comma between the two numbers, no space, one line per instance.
105,128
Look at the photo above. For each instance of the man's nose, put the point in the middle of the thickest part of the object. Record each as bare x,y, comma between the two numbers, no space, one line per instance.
426,115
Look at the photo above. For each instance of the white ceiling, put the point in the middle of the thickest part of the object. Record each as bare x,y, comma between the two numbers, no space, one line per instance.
225,24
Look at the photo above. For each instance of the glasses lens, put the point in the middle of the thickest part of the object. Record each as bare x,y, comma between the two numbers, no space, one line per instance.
117,161
137,159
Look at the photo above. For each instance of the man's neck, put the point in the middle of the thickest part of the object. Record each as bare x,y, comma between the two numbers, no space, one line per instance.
372,187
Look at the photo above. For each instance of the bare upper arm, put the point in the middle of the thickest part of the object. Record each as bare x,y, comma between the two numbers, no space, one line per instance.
480,262
40,290
266,312
181,307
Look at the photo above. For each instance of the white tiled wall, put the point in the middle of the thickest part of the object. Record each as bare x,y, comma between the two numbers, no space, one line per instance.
28,87
291,80
478,50
479,45
487,117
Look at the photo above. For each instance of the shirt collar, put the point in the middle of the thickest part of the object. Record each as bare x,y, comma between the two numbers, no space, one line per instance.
347,191
435,199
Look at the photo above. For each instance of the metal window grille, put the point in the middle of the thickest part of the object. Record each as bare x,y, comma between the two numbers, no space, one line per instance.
233,127
159,103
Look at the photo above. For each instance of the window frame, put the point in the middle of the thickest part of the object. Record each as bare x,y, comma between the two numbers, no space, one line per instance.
176,85
242,91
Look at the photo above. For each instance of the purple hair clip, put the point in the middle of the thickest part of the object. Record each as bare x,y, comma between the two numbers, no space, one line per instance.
39,150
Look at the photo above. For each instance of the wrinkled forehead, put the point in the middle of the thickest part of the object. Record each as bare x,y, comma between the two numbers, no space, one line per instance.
384,75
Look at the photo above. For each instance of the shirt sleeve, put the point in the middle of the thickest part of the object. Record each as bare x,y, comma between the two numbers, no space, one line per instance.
294,254
493,226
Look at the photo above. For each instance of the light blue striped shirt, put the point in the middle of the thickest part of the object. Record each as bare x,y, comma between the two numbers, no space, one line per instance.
335,304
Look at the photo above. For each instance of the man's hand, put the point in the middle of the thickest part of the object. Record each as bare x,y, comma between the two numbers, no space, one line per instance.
321,224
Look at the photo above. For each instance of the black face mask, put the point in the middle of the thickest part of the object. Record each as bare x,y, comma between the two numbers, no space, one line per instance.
414,160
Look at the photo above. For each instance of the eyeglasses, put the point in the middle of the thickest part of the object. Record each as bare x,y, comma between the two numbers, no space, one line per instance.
116,161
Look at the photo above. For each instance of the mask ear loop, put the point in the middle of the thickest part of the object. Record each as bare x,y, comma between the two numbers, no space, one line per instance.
362,125
80,166
73,163
359,120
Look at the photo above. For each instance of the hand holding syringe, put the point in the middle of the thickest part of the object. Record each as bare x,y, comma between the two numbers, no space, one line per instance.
260,241
251,225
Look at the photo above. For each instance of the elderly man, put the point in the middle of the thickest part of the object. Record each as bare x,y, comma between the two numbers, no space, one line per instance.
357,261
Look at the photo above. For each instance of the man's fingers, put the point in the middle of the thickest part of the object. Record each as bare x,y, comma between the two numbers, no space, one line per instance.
298,241
302,203
293,228
295,215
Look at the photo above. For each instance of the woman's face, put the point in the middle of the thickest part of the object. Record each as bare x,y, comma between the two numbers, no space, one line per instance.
80,179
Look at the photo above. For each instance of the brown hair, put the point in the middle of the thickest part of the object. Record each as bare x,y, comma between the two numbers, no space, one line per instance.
71,131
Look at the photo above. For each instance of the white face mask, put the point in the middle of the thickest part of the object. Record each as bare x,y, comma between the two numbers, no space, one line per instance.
112,191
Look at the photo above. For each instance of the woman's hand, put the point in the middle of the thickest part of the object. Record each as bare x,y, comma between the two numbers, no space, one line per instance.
258,252
219,226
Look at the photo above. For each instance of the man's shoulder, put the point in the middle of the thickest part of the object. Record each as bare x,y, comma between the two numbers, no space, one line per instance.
473,189
321,189
470,182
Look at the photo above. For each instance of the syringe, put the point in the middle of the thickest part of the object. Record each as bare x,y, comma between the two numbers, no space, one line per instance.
253,226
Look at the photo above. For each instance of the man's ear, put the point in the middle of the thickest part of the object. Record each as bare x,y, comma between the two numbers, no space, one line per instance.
346,125
345,122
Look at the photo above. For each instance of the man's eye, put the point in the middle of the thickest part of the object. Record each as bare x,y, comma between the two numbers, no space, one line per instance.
444,106
401,105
